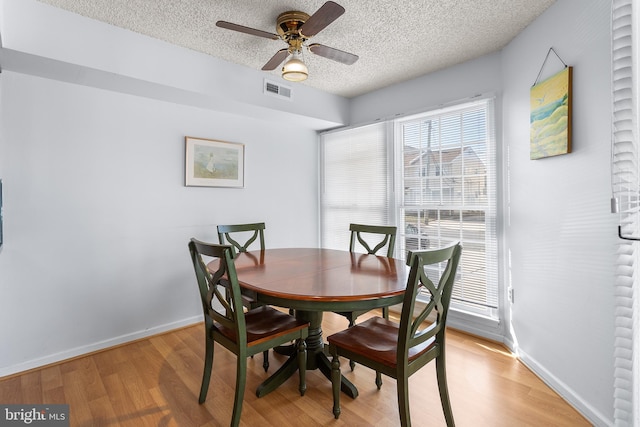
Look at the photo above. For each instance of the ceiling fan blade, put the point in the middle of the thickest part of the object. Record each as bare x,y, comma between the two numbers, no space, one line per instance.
334,54
246,30
324,16
276,60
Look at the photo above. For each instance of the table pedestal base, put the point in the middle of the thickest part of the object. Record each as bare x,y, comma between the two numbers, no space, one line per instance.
316,359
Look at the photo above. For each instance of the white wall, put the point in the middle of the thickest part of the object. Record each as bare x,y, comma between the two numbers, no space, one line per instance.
561,234
556,225
472,78
97,217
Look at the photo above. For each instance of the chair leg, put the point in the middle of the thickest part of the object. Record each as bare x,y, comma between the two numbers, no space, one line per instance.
265,360
403,400
335,383
378,380
352,321
385,315
208,364
302,365
241,378
441,374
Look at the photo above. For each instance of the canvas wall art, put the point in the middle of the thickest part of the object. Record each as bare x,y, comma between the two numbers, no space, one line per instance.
550,118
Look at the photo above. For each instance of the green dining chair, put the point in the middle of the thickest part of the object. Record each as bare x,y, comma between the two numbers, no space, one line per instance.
227,324
371,238
248,232
381,235
400,350
240,237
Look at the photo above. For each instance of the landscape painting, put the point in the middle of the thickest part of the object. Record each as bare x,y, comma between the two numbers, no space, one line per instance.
551,116
211,163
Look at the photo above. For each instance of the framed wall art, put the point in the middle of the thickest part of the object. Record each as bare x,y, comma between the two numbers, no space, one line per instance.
550,120
212,163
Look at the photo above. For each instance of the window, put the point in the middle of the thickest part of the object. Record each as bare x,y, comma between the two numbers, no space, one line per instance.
433,175
356,176
447,194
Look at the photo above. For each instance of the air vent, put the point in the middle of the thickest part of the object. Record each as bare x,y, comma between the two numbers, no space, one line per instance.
275,89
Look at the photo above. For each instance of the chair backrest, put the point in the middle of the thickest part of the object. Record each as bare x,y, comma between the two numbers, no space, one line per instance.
225,231
384,235
220,288
441,266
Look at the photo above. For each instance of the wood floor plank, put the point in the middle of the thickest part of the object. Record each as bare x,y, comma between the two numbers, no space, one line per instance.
156,382
74,393
11,391
31,386
51,377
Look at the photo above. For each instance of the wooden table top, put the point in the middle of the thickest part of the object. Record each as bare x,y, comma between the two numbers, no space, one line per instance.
312,281
326,278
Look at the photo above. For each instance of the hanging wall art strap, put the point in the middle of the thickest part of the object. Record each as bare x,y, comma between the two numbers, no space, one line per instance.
545,61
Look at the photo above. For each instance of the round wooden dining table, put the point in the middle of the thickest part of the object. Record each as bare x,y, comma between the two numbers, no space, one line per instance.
312,281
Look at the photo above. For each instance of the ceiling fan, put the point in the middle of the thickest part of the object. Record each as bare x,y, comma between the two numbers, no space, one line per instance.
296,28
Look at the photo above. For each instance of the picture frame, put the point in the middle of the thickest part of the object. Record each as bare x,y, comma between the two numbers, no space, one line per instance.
550,118
213,163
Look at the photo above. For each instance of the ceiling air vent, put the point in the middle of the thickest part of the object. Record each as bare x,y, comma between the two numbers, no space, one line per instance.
275,89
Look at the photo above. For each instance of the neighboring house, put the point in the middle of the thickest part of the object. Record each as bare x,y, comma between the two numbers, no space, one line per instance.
455,175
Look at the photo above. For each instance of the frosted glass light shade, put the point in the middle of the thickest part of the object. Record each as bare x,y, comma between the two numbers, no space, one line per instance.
295,70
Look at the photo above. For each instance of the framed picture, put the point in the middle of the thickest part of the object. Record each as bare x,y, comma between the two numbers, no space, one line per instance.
551,116
211,163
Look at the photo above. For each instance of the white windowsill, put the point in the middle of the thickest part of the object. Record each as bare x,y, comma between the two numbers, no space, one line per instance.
472,323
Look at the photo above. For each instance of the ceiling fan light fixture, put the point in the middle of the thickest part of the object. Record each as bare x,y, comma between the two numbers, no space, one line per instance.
294,70
295,28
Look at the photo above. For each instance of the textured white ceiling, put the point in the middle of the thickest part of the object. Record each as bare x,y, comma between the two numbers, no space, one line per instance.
396,40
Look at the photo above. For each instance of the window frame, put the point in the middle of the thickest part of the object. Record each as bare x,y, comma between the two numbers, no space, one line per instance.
488,324
490,211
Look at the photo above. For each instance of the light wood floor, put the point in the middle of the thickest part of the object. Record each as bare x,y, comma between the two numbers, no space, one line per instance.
155,382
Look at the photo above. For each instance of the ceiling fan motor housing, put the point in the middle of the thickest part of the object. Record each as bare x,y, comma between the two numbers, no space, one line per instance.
288,27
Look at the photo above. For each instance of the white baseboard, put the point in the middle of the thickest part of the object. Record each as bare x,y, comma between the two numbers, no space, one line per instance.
493,330
470,323
484,327
97,346
567,393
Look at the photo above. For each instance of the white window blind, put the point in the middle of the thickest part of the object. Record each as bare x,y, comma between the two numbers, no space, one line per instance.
355,186
626,188
449,194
